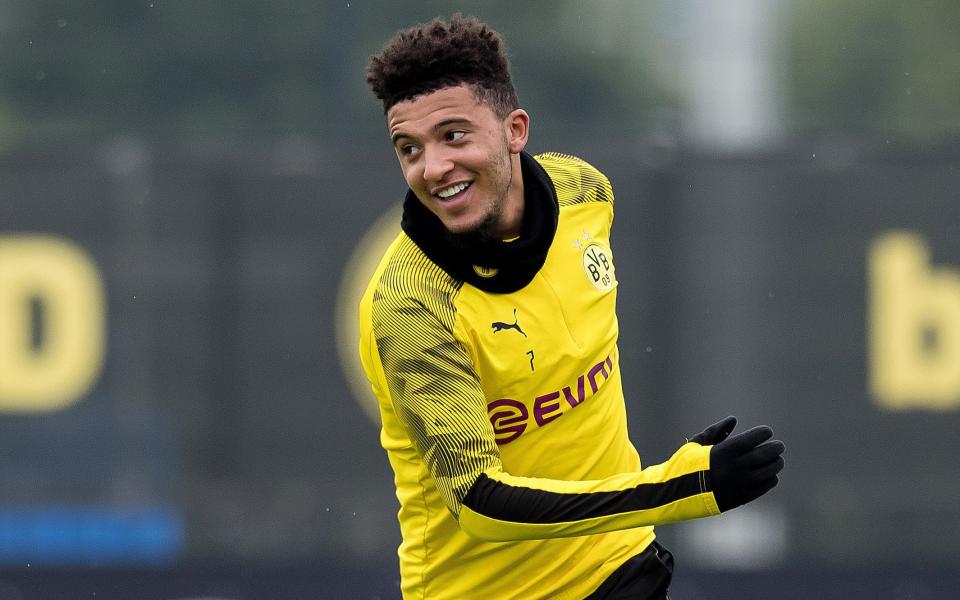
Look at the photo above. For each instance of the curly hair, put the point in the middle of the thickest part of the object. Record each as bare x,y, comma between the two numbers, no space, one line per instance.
436,55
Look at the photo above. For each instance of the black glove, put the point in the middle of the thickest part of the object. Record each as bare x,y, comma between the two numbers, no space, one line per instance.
743,467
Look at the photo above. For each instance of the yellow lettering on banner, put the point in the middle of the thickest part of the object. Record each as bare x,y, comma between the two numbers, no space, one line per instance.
62,279
363,262
914,326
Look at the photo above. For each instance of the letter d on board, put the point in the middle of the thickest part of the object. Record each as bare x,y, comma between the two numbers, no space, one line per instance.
914,326
57,368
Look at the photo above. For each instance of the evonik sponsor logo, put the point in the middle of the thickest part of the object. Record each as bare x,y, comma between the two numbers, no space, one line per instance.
511,418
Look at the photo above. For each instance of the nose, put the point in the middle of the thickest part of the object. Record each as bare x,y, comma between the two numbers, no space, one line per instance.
436,164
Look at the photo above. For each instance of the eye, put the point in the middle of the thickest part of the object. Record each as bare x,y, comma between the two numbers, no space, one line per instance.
453,136
409,150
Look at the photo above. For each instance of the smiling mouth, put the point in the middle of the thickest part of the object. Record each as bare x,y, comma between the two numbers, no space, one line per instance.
453,191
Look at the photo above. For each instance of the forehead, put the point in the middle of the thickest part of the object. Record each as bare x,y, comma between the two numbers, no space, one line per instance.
418,115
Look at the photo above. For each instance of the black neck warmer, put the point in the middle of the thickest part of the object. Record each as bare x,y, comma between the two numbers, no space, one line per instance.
509,266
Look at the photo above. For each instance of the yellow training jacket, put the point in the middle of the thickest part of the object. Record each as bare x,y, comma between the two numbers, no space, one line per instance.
498,381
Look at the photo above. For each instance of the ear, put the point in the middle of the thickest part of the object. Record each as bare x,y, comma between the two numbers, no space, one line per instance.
517,127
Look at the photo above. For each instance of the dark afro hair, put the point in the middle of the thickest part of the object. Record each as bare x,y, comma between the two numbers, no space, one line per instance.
436,55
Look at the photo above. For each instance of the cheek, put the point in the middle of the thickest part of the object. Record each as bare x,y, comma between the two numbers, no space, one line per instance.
412,175
498,163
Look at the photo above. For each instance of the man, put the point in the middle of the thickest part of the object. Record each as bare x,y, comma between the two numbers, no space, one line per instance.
489,335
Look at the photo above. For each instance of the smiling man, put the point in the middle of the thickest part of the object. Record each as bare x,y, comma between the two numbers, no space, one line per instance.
489,336
459,157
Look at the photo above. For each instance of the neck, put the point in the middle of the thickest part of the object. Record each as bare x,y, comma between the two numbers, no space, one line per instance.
512,216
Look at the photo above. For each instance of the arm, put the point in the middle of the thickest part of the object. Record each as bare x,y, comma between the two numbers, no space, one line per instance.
426,374
711,473
501,507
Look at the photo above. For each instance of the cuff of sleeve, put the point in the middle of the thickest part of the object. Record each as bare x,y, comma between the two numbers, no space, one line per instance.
697,458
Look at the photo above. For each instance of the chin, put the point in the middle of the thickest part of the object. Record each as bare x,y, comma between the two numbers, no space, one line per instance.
461,229
464,227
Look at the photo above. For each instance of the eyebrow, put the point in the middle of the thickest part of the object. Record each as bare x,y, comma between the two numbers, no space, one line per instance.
444,123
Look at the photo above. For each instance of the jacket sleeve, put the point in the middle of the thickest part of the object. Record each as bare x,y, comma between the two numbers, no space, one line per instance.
501,507
428,377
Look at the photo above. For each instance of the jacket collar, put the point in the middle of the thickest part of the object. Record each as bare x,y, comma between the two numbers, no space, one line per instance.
503,267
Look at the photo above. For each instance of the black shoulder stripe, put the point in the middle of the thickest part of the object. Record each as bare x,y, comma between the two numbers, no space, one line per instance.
576,181
526,505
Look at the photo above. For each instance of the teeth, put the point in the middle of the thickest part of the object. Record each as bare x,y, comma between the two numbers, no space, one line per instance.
453,190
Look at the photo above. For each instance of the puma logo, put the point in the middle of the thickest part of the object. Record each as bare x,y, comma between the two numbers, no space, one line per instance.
500,325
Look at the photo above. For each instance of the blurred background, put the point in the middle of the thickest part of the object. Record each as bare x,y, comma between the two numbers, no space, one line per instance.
193,193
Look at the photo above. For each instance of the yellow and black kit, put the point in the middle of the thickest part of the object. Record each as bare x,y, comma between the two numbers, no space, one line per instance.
498,382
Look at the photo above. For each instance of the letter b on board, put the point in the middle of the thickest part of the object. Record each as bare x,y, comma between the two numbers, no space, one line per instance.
914,326
51,323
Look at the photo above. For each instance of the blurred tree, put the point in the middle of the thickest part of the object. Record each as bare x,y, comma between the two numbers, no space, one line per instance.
876,68
170,70
185,71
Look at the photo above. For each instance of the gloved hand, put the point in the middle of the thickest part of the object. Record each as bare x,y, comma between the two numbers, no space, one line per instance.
742,467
